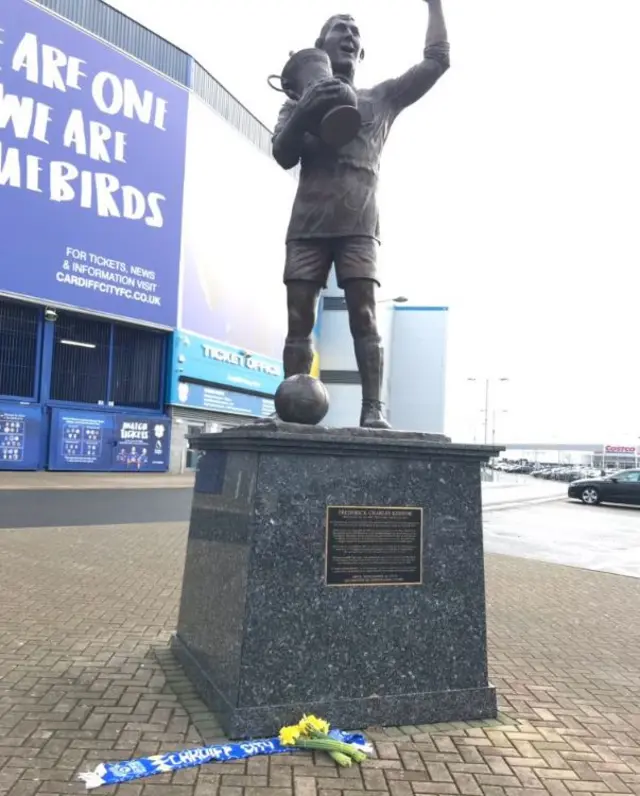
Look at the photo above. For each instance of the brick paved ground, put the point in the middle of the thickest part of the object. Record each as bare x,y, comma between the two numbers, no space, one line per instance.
85,677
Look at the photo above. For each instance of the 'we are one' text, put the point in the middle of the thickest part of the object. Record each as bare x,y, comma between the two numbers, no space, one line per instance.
101,191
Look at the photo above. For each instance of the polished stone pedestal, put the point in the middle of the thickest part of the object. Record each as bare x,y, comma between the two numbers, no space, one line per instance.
262,635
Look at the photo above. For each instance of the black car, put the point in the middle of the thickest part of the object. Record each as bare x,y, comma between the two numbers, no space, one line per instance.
620,487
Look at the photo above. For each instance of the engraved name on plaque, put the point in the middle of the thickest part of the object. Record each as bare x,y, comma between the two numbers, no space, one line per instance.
373,546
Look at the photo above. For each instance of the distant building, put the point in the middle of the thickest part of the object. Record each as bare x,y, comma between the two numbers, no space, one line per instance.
604,455
415,342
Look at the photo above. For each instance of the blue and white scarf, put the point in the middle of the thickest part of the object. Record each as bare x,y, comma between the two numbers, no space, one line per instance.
116,773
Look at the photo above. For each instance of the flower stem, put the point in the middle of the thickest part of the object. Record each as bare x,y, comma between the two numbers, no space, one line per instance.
341,759
331,745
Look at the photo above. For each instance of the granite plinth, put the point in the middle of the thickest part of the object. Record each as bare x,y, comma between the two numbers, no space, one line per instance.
262,636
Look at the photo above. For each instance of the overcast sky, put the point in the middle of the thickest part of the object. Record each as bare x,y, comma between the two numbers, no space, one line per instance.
510,193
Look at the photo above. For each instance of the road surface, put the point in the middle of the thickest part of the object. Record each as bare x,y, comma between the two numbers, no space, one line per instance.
602,538
51,508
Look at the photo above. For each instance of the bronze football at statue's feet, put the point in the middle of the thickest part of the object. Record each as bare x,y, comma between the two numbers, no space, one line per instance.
371,415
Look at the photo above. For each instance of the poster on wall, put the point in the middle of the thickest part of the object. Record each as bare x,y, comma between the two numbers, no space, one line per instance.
81,440
94,441
142,444
92,145
20,435
237,203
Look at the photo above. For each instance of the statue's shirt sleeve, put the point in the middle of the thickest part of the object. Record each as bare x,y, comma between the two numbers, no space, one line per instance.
308,143
400,92
283,117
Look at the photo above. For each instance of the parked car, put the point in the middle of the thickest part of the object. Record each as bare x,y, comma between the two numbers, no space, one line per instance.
620,487
568,474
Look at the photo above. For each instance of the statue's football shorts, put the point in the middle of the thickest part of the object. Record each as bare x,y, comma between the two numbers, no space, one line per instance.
311,260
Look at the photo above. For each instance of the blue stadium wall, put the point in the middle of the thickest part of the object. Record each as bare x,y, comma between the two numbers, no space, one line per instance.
80,392
82,389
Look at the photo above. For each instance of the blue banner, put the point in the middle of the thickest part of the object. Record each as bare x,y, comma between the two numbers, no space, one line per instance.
200,359
92,149
197,396
104,441
20,435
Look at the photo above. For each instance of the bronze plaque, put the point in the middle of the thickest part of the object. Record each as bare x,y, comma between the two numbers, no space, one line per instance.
373,546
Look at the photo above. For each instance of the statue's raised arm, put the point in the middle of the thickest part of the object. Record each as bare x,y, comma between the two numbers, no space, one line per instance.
415,83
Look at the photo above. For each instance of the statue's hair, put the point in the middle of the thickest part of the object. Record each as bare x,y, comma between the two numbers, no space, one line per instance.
329,24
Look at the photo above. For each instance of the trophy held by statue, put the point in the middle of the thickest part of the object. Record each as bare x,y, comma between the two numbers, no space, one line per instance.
337,121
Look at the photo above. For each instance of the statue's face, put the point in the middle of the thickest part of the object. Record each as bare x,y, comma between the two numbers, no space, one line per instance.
342,45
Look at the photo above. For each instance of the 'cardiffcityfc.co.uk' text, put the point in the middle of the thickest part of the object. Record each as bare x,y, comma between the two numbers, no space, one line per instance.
100,191
93,272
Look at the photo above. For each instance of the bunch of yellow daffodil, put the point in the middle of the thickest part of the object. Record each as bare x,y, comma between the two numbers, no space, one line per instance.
313,733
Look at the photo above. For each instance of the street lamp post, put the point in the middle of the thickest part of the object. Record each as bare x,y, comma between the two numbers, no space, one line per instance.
494,419
487,384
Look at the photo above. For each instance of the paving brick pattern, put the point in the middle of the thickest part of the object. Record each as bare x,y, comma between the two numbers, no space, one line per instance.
85,615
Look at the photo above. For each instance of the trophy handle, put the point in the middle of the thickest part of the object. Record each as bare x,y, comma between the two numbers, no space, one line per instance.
275,88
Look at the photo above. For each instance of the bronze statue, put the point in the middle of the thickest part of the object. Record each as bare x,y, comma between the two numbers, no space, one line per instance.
334,220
